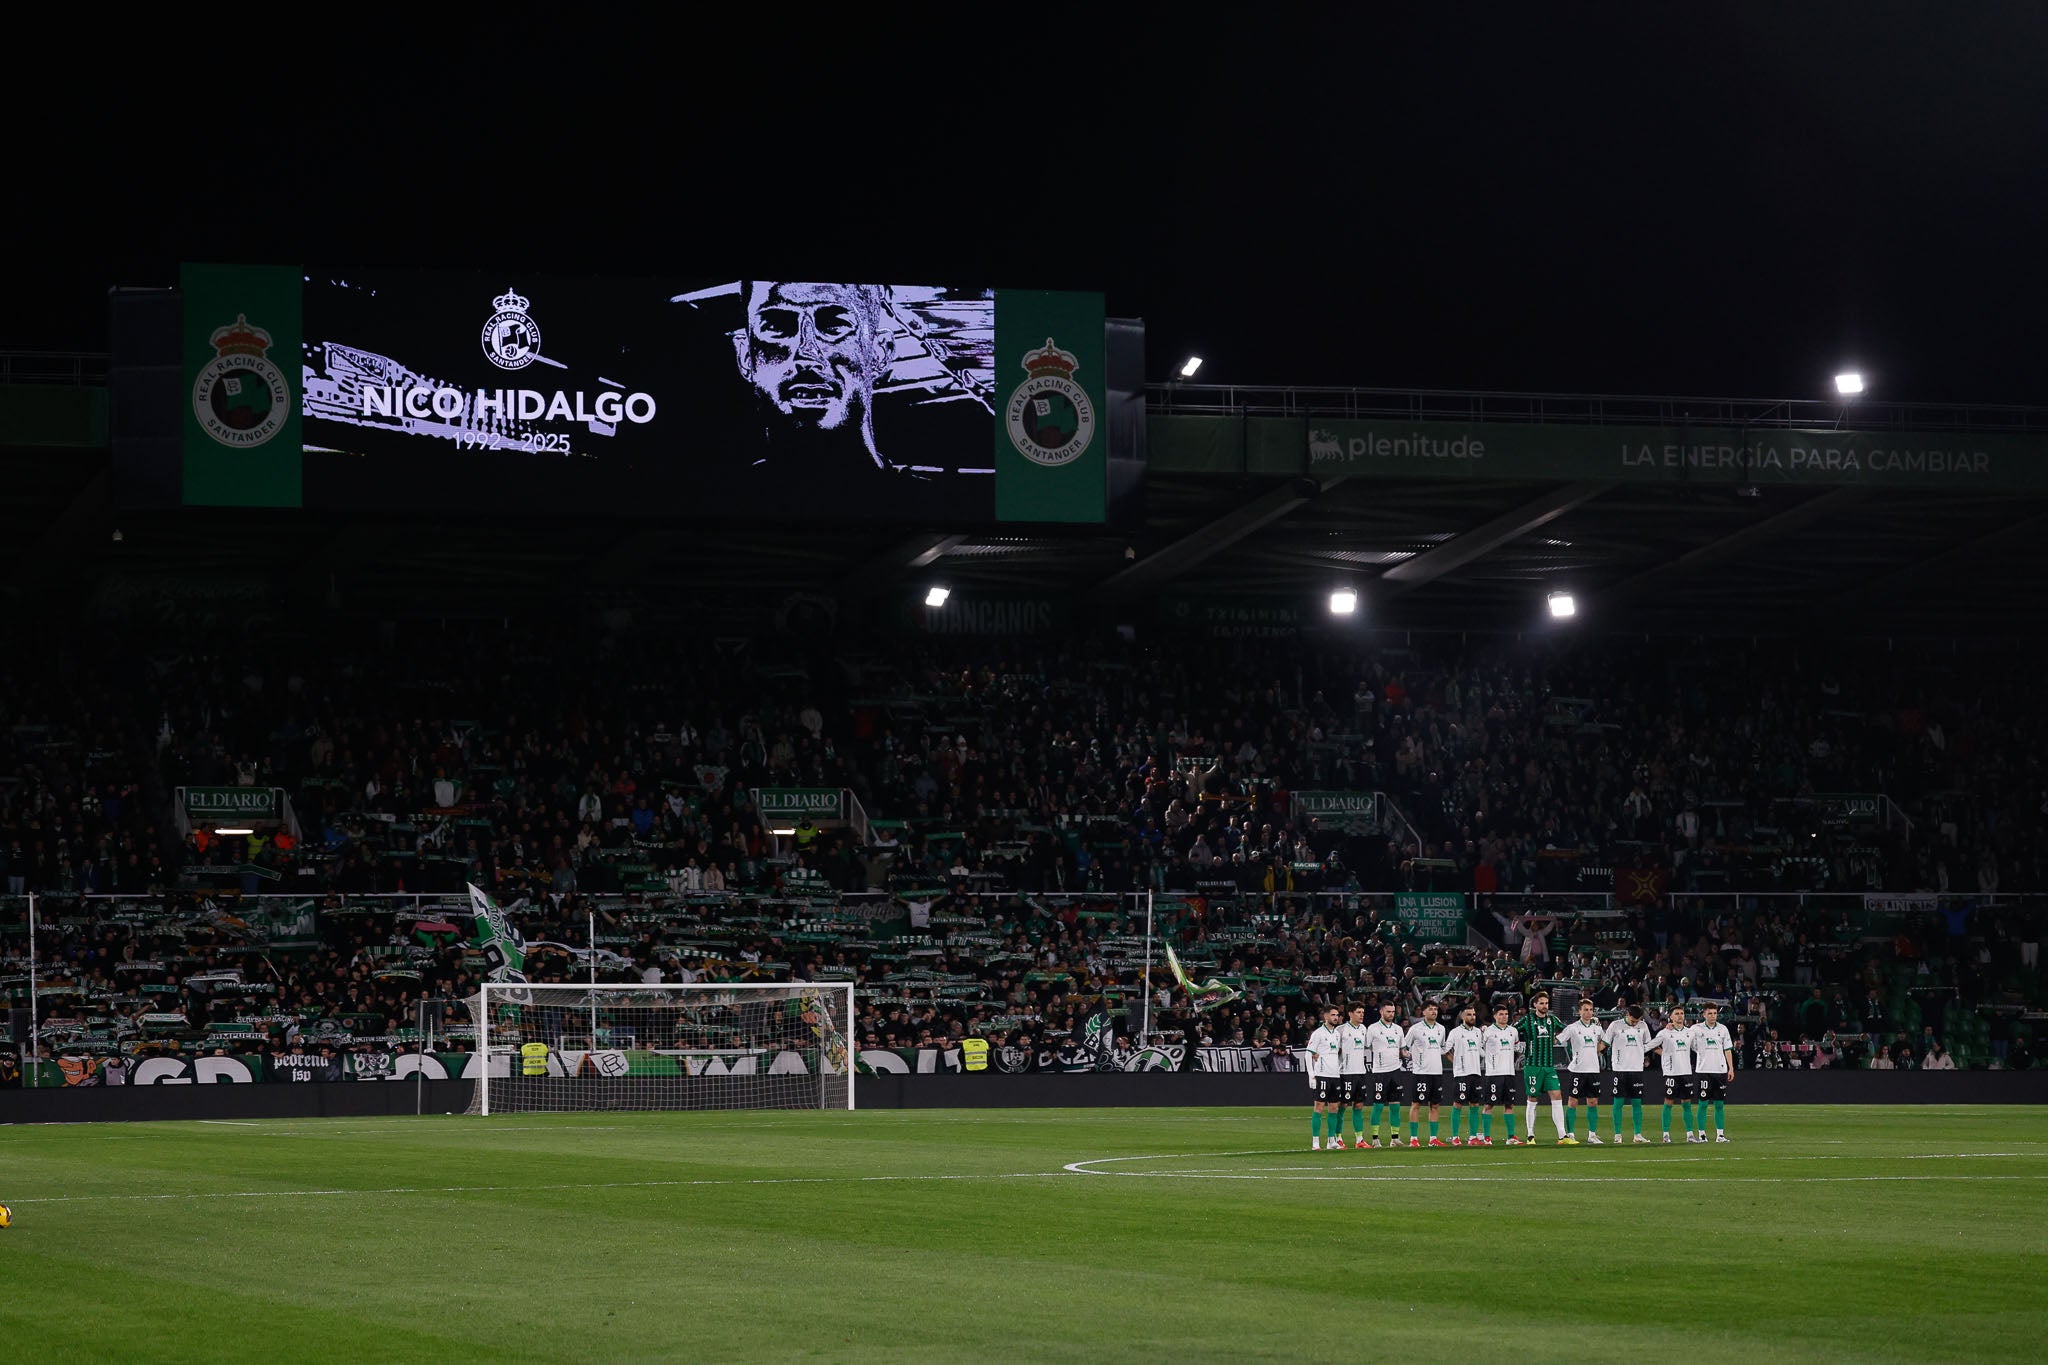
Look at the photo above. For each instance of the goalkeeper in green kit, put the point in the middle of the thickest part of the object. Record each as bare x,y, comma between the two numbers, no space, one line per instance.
1540,1029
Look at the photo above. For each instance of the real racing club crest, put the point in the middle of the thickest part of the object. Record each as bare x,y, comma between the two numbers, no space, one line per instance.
1050,419
240,398
511,337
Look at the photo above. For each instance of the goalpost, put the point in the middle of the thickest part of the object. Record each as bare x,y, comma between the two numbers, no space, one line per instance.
567,1048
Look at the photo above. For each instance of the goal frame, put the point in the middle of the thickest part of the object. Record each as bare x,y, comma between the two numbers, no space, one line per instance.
481,1003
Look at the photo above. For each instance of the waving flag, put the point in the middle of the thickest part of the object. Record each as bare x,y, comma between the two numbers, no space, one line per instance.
1208,995
495,937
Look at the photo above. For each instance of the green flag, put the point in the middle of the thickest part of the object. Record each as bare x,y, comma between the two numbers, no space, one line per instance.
503,948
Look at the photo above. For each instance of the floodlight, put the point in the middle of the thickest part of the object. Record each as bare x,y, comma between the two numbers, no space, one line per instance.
936,595
1189,366
1563,604
1848,383
1343,602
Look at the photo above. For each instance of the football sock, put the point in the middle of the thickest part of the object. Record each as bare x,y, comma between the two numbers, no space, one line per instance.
1486,1126
1617,1116
1432,1127
1457,1115
1376,1111
1571,1120
1357,1121
1510,1117
1474,1119
1720,1115
1530,1122
1412,1133
1635,1115
1556,1117
1315,1125
1667,1120
1688,1118
1592,1120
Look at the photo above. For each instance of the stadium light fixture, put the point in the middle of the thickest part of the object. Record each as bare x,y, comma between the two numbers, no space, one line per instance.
1562,606
234,831
1343,602
936,595
1189,366
1849,383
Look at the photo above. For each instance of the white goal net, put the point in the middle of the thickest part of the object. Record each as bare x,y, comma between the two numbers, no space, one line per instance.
574,1048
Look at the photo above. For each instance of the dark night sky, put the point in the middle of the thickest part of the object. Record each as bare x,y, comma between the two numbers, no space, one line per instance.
1690,199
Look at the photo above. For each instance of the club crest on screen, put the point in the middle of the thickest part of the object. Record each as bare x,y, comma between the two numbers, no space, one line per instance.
240,398
1049,417
511,337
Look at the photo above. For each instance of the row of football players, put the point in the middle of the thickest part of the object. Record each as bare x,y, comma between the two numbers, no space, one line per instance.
1496,1066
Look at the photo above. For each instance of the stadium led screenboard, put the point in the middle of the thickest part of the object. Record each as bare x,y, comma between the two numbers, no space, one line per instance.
333,387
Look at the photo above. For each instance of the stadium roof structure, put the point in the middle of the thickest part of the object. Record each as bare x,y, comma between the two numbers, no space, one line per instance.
1713,556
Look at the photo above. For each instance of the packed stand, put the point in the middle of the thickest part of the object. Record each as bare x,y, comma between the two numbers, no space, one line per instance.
1016,797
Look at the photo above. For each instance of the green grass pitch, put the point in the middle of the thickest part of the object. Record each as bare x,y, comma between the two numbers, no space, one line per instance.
1909,1234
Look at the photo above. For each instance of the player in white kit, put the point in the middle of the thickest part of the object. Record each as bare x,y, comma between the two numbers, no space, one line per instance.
1628,1042
1713,1061
1352,1055
1385,1041
1468,1079
1582,1041
1326,1081
1673,1046
1498,1041
1426,1045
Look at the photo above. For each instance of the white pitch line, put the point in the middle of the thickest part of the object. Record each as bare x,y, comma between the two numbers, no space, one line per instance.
1369,1173
525,1189
568,1130
232,1123
1390,1179
1576,1161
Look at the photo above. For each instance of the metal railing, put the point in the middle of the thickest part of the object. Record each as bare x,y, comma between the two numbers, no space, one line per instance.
73,368
1458,405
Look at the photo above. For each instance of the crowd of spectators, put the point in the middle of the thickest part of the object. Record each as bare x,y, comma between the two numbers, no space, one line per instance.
1018,794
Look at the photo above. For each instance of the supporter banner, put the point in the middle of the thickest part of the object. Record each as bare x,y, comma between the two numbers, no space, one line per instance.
1073,1056
1915,904
292,925
341,388
1525,451
1051,430
307,1064
980,613
1234,618
1432,916
241,395
303,1064
1357,812
218,804
1849,808
1242,1059
1641,885
775,804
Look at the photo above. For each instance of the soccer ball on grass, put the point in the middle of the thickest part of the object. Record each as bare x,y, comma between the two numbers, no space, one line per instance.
6,1216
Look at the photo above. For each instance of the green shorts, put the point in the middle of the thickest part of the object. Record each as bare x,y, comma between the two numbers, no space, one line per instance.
1538,1081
